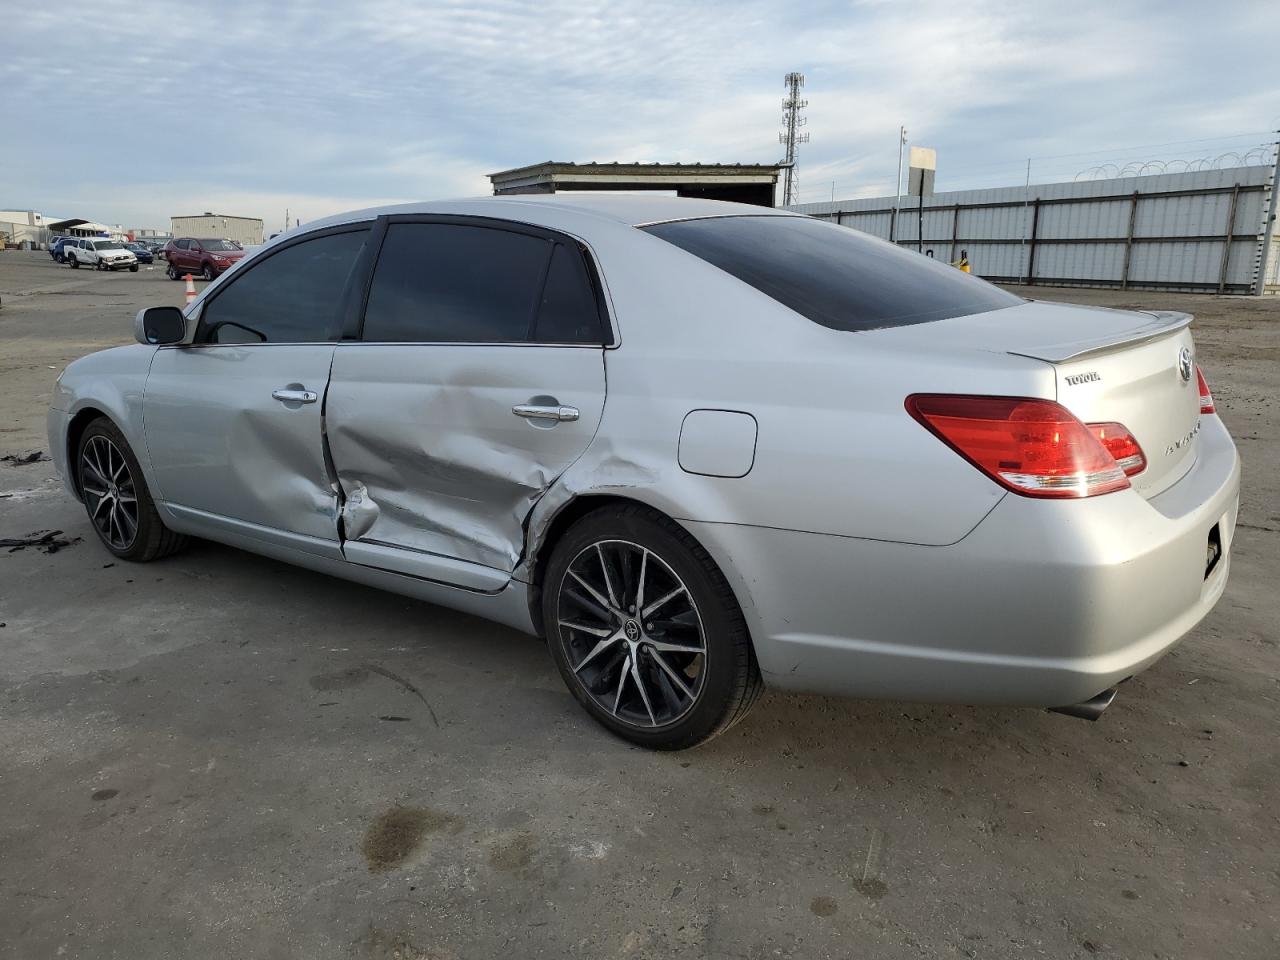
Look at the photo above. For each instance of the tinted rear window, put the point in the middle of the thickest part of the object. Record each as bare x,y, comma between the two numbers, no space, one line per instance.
835,276
451,283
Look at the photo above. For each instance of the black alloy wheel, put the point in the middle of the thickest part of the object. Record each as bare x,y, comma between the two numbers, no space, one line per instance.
116,497
645,630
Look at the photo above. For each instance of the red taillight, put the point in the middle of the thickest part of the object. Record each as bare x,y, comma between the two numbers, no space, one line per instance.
1033,447
1206,398
1122,446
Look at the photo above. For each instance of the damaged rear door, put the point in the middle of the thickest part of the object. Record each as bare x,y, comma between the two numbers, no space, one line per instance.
478,378
234,420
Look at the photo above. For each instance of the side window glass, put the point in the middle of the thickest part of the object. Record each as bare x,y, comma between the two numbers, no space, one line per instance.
568,312
294,296
451,283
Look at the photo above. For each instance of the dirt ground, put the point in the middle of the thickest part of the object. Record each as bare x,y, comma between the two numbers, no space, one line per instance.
221,756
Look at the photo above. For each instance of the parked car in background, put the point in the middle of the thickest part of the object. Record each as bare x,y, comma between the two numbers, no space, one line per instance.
142,252
101,254
52,246
70,251
825,463
205,257
58,249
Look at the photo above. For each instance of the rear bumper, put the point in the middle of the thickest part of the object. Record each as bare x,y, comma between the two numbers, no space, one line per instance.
1045,603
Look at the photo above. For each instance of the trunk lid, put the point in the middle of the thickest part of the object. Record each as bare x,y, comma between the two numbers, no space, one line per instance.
1120,366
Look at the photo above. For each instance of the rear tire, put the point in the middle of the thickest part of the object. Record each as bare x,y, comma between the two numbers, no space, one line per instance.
75,264
121,510
666,684
172,272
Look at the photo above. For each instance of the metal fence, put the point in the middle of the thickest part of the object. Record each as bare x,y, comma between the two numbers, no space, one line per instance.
1198,231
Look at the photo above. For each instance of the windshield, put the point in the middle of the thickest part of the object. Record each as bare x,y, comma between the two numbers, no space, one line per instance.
108,245
219,245
836,276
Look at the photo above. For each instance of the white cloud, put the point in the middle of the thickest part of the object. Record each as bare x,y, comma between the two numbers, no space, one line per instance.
315,106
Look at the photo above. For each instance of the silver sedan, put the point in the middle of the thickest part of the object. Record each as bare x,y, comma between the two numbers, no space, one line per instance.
701,448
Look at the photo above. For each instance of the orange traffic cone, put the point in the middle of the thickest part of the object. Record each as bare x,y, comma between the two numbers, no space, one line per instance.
191,288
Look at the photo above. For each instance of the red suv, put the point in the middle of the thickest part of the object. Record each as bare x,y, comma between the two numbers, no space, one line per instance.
204,257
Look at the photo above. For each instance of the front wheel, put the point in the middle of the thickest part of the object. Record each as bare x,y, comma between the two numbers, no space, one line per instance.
207,273
116,497
172,272
133,268
646,631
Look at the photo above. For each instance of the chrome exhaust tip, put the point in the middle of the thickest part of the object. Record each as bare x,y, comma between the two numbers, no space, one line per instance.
1090,709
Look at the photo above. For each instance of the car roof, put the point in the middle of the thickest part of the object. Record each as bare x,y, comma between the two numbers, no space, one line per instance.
630,209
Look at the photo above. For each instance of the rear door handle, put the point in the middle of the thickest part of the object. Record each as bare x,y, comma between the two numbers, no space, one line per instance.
295,396
536,411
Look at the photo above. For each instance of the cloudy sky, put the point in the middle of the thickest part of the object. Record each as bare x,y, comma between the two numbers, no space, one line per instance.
129,114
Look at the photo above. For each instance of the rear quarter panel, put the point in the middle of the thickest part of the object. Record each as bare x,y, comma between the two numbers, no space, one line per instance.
836,451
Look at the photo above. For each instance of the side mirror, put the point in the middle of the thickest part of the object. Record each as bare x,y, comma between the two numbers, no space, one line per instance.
156,326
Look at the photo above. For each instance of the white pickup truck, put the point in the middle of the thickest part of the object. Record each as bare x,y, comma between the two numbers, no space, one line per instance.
102,254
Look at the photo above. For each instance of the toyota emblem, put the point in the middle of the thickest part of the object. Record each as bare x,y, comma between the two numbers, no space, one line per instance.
1184,364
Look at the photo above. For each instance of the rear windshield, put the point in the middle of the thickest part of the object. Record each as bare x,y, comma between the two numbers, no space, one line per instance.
835,276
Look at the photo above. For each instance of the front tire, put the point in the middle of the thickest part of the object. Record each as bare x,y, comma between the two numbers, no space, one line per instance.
116,497
134,268
645,630
206,273
172,272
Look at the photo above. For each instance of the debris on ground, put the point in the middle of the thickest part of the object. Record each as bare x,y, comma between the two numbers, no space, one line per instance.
22,459
50,541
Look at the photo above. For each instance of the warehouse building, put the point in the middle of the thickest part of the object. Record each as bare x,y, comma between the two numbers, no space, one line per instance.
245,231
23,227
1208,231
736,182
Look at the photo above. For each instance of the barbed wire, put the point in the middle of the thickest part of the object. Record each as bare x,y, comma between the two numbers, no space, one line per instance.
834,176
1259,156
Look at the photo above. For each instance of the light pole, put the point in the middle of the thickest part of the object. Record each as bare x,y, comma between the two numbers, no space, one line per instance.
893,224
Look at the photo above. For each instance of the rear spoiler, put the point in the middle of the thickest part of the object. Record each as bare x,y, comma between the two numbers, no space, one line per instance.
1161,324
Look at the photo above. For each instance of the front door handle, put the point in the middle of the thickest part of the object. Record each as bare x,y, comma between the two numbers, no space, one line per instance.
537,411
295,396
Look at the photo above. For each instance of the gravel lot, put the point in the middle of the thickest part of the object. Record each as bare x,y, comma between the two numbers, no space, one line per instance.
221,756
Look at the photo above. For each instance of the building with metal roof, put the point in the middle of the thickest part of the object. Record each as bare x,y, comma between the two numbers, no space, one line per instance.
753,183
243,230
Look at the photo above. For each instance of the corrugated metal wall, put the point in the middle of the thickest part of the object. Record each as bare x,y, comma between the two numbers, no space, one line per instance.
1177,231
